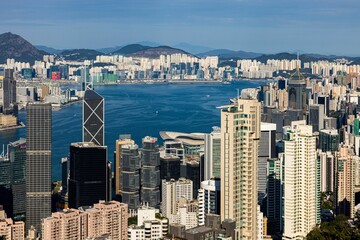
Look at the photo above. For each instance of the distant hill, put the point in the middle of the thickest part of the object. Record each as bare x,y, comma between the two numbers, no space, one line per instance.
108,50
193,49
14,46
129,49
48,49
291,56
80,54
155,52
229,54
150,44
138,50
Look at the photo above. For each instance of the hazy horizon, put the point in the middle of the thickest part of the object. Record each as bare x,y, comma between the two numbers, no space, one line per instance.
307,26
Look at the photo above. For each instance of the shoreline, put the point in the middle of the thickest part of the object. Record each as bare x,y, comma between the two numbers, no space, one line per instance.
21,125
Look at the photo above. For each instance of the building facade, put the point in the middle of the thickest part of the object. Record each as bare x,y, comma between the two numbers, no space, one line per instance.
240,133
301,181
38,163
93,118
89,174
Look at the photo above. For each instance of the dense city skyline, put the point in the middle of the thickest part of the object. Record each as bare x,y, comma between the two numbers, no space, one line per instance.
260,26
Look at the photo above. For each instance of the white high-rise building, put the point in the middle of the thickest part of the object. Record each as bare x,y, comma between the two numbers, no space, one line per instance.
301,181
208,199
172,191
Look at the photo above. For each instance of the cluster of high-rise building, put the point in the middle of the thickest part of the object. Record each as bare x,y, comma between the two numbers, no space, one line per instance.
262,174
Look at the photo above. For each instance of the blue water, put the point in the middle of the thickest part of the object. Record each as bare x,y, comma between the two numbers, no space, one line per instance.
132,109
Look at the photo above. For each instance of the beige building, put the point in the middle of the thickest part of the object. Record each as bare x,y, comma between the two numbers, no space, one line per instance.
118,145
69,224
11,230
345,195
240,132
104,218
301,181
114,218
7,121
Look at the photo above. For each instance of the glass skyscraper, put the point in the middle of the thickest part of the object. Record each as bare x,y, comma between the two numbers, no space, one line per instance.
93,118
38,163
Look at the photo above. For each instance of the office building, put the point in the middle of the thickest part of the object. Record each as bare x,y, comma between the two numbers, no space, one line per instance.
208,199
327,171
89,175
212,154
17,158
329,140
193,172
8,93
274,190
267,149
6,199
174,148
297,94
38,163
124,139
316,117
130,183
150,172
12,180
240,133
301,181
169,167
345,195
93,117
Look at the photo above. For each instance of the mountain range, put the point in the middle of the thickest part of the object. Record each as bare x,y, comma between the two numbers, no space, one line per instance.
14,46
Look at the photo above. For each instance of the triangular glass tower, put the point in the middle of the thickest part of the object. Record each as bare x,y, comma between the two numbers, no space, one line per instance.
93,117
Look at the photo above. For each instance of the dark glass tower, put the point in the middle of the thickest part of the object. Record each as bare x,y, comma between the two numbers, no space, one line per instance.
38,163
17,157
150,172
170,167
130,165
93,118
89,176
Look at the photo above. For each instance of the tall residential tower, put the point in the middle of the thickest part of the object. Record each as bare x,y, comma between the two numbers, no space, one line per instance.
240,133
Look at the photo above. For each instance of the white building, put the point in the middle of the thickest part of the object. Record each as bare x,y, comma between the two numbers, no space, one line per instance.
148,227
301,181
172,191
208,199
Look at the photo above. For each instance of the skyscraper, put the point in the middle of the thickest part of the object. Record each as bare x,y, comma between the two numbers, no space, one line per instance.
329,140
93,118
301,181
345,196
17,158
38,163
240,133
169,167
316,116
8,93
130,166
150,172
89,175
212,154
124,139
274,190
266,150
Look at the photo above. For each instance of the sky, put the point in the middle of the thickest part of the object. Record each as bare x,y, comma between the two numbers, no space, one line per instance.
265,26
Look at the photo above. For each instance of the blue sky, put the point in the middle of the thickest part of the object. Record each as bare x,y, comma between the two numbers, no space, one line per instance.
269,26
